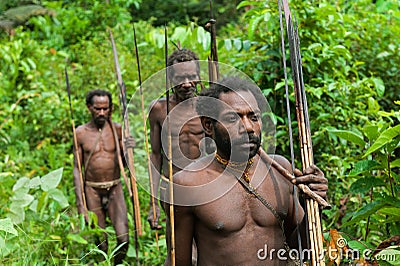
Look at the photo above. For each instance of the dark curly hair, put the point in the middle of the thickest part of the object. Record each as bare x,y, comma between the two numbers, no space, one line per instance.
182,55
208,108
97,92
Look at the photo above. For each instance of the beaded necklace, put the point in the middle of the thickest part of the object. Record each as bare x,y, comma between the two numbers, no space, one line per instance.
237,166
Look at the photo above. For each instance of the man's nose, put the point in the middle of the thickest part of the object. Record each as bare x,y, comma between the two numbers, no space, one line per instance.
247,124
187,83
102,111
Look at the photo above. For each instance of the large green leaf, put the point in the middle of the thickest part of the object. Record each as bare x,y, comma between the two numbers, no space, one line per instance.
16,214
391,211
395,163
379,86
371,131
58,196
383,139
51,180
390,255
365,211
22,199
228,44
77,238
22,184
7,226
349,136
34,182
357,245
363,166
364,184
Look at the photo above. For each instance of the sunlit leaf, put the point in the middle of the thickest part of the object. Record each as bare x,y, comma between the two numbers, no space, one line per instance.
179,34
349,136
7,226
22,199
58,196
373,105
228,44
371,131
51,180
390,211
246,45
23,182
33,206
238,44
77,238
34,182
383,139
16,214
395,163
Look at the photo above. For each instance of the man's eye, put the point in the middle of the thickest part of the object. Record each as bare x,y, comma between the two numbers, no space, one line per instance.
232,118
255,117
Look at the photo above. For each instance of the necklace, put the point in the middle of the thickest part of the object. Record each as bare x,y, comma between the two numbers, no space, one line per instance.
237,166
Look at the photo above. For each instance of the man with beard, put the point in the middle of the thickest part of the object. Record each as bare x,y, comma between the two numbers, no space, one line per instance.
97,151
186,129
229,224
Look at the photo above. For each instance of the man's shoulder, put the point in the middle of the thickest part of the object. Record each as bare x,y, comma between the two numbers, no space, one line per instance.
158,103
82,129
196,173
117,125
281,160
156,107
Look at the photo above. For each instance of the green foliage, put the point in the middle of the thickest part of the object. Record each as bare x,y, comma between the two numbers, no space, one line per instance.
350,64
15,13
185,12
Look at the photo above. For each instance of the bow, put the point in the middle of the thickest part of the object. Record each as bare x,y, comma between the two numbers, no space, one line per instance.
78,160
133,192
145,128
171,184
312,205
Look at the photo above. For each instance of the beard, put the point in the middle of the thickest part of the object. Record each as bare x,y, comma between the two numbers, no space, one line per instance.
185,93
234,150
100,120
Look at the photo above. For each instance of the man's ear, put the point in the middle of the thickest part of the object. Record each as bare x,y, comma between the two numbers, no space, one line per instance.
208,125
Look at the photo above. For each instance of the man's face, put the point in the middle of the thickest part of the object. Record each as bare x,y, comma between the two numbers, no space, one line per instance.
184,79
100,110
237,132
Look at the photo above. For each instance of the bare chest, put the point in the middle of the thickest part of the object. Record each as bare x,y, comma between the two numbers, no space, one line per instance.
238,209
98,142
192,129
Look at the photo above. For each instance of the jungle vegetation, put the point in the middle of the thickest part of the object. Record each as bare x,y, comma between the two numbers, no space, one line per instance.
351,65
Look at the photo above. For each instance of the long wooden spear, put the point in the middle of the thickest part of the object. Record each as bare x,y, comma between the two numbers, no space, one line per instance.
128,151
145,130
312,207
76,148
171,180
213,69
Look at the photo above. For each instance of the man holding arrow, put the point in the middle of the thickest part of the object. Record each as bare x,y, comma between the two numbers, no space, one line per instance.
98,148
184,74
238,204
